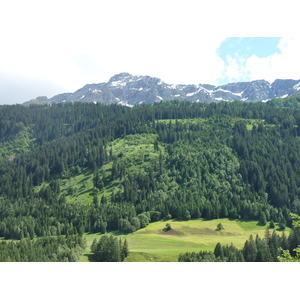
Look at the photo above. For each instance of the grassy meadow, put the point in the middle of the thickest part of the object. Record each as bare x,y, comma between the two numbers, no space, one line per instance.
16,144
152,244
135,151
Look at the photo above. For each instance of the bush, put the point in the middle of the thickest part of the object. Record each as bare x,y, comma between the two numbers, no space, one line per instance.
220,227
144,219
168,227
155,216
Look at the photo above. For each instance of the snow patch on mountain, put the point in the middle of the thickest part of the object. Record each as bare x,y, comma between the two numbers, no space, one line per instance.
297,87
191,94
129,90
118,83
284,96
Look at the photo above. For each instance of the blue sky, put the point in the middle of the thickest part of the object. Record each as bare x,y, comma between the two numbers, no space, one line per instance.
51,47
237,50
248,46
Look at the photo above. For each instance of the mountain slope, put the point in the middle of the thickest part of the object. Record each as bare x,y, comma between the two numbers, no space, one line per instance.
97,168
131,90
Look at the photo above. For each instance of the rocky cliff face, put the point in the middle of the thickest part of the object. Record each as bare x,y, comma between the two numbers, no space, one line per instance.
130,90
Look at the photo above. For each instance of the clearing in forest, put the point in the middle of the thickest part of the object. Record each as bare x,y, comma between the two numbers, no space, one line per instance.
154,244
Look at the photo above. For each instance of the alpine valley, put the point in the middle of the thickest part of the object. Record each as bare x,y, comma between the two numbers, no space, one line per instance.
198,178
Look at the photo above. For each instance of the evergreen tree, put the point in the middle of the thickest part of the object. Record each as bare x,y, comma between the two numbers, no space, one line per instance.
272,224
94,245
262,219
250,250
125,250
218,251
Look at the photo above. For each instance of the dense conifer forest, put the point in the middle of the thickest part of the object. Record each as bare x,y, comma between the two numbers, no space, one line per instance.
220,160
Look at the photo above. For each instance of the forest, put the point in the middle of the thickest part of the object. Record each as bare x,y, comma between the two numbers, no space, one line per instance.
196,160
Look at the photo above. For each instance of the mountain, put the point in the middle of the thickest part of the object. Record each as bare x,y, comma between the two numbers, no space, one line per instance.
131,90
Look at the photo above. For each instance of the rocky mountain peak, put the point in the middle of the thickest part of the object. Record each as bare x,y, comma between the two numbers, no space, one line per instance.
130,90
119,77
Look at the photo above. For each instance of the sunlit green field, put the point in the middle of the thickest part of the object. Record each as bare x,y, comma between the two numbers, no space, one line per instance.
154,244
135,151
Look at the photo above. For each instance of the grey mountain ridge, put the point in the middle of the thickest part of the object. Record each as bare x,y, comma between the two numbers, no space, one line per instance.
130,90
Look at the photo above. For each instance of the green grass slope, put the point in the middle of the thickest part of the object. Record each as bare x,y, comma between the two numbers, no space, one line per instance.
16,144
153,244
136,152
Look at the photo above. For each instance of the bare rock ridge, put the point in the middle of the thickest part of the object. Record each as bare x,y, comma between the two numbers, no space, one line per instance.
130,90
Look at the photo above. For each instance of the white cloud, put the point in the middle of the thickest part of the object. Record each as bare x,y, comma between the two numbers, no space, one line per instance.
285,65
63,44
49,41
234,69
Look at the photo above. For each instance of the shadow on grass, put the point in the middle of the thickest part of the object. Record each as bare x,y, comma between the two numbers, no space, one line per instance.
93,233
83,180
181,220
258,224
118,233
90,257
114,233
243,220
114,185
87,172
85,192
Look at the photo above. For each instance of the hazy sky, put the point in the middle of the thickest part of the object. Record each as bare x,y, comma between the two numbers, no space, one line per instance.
52,47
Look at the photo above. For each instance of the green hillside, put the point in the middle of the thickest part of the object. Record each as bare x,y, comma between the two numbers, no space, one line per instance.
133,152
84,168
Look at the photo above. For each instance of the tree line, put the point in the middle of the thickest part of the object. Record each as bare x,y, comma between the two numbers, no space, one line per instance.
109,249
45,249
